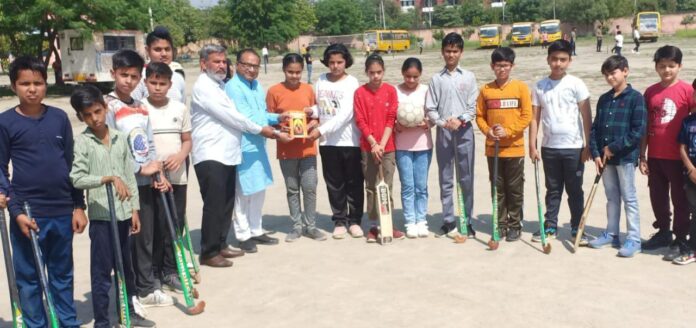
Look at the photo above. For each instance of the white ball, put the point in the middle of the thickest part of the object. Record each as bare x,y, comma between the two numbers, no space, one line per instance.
409,115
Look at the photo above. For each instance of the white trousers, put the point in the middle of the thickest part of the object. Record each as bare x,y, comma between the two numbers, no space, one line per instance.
248,211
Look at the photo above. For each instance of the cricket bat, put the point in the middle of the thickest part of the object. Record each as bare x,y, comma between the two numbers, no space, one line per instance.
385,210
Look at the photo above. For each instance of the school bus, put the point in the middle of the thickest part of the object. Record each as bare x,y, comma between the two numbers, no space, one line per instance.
490,35
522,34
649,25
385,40
552,27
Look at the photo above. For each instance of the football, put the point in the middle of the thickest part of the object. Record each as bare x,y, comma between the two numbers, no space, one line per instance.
409,115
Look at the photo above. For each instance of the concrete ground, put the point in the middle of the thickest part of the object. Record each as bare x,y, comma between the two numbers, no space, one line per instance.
432,282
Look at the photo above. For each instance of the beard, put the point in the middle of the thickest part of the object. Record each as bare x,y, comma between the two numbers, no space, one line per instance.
219,77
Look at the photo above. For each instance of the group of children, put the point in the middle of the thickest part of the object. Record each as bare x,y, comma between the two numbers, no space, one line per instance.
143,129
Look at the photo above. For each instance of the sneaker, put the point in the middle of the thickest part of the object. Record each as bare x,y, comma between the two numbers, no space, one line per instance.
172,283
372,235
513,235
339,232
397,234
422,228
156,298
448,229
658,240
604,240
265,239
293,236
630,248
248,246
676,249
584,241
356,231
411,231
551,233
316,234
138,308
139,321
686,258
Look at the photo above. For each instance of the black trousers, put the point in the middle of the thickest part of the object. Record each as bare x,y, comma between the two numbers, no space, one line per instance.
599,45
163,253
102,262
344,181
563,169
143,245
217,186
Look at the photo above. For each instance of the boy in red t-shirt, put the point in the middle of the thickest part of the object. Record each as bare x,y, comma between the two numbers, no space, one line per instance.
668,102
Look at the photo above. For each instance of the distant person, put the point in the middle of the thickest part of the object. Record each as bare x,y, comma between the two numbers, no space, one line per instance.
636,41
615,139
618,43
367,49
599,34
420,47
544,40
375,113
264,53
669,102
308,62
617,31
561,108
573,39
503,112
687,149
414,151
451,105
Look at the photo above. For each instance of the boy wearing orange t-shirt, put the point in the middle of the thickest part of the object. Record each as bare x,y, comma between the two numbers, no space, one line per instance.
298,156
503,111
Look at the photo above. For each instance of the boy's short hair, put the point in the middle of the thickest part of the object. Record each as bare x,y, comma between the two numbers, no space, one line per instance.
159,33
86,96
668,53
503,54
694,86
453,39
127,58
613,63
560,45
244,51
337,49
158,70
24,63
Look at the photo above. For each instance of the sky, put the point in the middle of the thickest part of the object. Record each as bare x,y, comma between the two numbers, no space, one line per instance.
203,3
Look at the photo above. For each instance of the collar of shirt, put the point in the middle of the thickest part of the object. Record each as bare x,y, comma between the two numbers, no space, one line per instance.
251,85
457,69
623,93
112,135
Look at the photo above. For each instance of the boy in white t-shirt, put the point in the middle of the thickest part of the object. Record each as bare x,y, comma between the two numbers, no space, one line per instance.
561,104
171,129
619,40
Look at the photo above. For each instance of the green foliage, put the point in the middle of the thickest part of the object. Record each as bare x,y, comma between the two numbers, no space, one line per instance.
185,23
526,10
256,23
446,16
467,32
688,20
686,5
583,11
335,17
648,5
685,34
438,35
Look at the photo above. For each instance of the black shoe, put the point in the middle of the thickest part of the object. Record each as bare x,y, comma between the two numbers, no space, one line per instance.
471,233
265,240
513,234
447,229
662,238
138,321
248,246
676,249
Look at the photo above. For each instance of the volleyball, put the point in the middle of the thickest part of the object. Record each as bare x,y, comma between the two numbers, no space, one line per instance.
409,115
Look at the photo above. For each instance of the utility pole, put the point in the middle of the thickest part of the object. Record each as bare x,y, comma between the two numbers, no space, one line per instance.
384,21
554,9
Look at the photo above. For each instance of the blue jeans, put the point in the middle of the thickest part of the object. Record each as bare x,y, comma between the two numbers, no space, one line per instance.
413,172
55,239
619,185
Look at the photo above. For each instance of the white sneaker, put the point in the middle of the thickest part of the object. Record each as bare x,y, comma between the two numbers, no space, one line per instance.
139,308
156,298
411,231
423,229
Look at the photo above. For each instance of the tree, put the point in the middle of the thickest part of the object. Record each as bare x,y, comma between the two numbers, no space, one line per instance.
620,8
525,10
688,20
260,22
185,23
335,17
446,16
584,11
648,5
686,5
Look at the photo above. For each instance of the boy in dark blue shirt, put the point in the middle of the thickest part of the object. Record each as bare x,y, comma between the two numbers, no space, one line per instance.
687,150
38,140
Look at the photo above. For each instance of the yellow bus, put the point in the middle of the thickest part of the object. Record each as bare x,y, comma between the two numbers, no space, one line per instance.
386,40
490,35
522,34
552,27
649,25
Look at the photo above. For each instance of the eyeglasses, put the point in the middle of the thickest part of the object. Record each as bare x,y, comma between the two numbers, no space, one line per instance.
248,66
